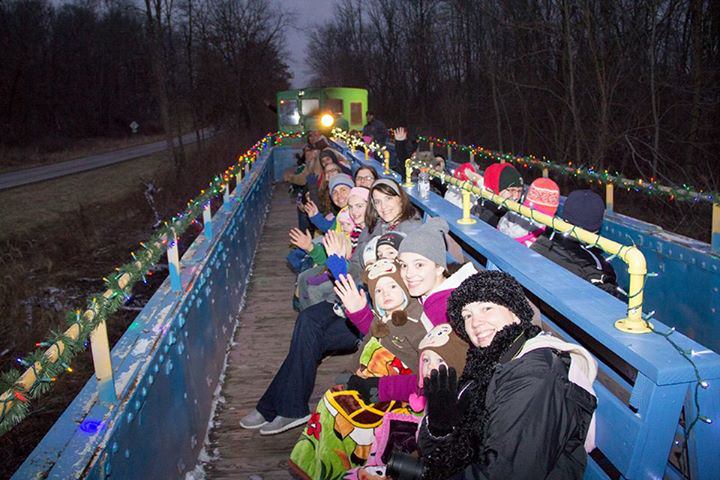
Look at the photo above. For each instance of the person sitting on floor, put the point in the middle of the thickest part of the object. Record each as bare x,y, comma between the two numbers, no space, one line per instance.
322,329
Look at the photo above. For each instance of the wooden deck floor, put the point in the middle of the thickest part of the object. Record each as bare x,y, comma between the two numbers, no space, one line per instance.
261,342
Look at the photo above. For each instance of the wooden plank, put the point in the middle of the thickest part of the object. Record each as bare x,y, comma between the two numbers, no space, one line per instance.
262,340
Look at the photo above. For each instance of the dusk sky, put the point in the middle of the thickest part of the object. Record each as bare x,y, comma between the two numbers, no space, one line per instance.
308,13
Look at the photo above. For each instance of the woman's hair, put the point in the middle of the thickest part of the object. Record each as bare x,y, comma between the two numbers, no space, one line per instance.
372,171
407,211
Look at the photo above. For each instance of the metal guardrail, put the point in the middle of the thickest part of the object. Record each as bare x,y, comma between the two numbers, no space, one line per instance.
631,255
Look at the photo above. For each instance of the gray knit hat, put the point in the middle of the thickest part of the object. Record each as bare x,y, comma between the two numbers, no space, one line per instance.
429,241
340,179
389,182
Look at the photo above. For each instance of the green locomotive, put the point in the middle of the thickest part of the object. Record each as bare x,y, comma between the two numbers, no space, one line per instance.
307,109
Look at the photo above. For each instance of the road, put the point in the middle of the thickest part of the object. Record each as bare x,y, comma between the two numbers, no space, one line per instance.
69,167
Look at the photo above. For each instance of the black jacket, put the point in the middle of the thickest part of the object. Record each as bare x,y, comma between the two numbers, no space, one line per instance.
584,261
535,427
489,212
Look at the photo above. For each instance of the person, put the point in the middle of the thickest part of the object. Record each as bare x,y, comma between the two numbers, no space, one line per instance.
341,429
374,128
388,245
423,266
463,173
585,209
523,407
437,185
402,150
440,346
321,329
543,195
314,285
339,186
365,176
501,179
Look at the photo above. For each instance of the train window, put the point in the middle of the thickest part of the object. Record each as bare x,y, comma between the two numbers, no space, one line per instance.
356,113
310,106
335,105
288,112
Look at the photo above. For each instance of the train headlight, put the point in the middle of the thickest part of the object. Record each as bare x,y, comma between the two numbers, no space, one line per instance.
327,120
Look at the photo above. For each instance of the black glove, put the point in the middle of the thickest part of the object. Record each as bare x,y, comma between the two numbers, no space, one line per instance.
442,408
366,387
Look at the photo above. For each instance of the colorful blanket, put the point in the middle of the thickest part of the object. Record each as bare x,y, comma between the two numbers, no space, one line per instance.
339,434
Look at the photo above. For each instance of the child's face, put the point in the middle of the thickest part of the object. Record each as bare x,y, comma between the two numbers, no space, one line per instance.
388,294
346,226
387,251
429,361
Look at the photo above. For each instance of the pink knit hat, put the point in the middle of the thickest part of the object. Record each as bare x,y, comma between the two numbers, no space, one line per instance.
543,195
360,192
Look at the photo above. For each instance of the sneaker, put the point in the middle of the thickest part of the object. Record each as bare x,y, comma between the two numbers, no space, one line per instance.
253,420
282,424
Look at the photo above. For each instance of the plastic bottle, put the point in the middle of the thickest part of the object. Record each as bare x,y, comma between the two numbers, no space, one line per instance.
424,183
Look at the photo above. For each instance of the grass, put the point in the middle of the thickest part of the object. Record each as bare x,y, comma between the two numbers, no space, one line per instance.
25,208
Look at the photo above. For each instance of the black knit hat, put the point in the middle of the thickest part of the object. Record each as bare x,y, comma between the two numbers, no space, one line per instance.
585,209
495,287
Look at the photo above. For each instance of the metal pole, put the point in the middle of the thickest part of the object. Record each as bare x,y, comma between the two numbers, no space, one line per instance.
609,197
207,221
466,220
174,262
715,240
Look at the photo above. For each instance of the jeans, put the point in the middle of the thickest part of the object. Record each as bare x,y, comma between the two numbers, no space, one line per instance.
318,333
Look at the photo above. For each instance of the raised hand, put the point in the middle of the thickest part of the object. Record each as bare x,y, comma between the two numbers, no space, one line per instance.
301,239
442,407
352,299
334,244
400,134
311,209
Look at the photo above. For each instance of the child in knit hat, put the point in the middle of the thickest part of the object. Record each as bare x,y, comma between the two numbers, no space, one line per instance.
390,328
341,430
543,195
440,346
388,244
397,434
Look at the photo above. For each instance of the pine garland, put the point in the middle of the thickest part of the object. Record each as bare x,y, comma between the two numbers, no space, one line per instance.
55,354
684,193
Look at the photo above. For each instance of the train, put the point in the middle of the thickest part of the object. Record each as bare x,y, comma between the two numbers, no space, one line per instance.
307,109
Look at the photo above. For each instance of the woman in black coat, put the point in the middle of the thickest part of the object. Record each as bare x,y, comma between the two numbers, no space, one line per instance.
513,413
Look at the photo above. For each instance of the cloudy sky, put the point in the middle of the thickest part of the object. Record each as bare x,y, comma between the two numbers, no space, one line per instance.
306,13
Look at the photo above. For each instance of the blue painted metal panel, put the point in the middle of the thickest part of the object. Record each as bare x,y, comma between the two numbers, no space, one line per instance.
167,364
687,288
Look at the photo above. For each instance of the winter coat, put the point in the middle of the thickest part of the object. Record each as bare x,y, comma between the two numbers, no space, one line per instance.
537,415
584,261
488,212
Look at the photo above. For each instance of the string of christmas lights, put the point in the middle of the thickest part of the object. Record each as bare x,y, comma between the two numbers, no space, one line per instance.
54,355
588,174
